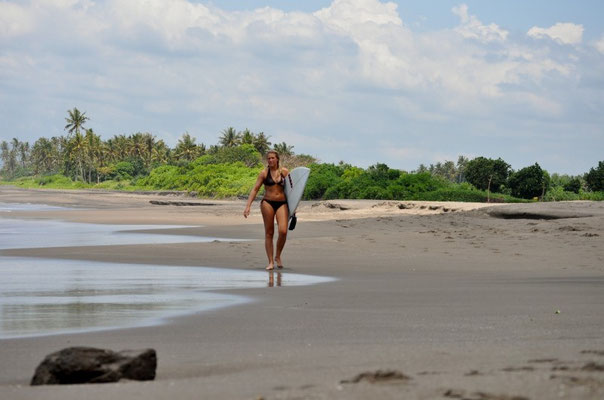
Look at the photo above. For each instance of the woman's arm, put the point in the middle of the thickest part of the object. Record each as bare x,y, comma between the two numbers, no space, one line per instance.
254,192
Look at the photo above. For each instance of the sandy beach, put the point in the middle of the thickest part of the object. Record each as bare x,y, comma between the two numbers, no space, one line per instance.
460,298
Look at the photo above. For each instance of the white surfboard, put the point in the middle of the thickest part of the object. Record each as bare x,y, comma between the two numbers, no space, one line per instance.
295,183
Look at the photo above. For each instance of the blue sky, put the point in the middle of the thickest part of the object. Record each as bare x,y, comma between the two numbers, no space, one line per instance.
364,81
436,14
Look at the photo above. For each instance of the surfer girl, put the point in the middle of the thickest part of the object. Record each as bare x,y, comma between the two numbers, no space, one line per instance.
273,206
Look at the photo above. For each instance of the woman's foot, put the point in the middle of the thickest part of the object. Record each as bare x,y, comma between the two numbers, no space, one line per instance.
279,263
270,267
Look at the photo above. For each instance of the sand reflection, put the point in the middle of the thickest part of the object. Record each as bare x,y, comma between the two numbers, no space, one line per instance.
271,278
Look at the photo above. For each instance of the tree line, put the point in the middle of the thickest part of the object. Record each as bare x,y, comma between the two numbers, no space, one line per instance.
497,176
83,156
141,161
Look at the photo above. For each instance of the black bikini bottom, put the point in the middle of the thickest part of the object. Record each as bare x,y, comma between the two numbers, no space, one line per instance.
276,204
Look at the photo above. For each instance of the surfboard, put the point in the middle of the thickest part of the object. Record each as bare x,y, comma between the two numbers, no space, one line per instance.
295,183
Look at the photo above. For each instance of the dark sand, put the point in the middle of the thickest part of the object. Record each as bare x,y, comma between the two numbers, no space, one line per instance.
462,302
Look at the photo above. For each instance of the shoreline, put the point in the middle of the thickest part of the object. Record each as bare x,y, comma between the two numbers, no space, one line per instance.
100,304
460,302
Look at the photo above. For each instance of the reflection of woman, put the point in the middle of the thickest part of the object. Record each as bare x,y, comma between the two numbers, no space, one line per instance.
273,206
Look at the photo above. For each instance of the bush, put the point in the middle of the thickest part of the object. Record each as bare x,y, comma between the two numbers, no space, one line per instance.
123,170
593,196
53,180
328,181
480,170
167,177
412,184
529,182
559,194
322,177
246,154
381,175
595,178
208,180
573,185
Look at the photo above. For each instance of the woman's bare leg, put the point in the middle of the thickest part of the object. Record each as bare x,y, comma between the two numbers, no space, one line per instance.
268,215
282,215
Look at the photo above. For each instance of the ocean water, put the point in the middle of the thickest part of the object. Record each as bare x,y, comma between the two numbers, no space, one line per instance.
51,296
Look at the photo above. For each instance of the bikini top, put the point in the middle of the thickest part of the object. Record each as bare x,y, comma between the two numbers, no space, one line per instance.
268,181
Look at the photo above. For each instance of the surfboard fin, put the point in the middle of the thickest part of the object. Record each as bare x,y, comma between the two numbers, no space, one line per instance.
292,222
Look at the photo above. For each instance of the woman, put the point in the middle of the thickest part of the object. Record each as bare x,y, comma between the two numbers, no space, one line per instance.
273,206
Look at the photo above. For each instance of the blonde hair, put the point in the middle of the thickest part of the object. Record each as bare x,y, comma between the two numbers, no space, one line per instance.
276,155
278,159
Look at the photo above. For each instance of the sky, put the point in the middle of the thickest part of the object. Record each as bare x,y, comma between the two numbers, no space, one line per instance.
361,81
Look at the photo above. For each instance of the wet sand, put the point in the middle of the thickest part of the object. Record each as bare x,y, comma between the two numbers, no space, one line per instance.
460,298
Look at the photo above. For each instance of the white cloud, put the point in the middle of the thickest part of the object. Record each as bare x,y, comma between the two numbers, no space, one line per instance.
349,72
169,20
15,20
387,54
562,32
347,16
472,28
599,45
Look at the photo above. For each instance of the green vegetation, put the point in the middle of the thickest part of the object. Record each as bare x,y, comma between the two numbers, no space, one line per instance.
530,182
204,178
595,177
329,181
487,174
81,160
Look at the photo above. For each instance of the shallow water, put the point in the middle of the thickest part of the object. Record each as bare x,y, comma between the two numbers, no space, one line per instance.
10,207
41,296
27,233
49,296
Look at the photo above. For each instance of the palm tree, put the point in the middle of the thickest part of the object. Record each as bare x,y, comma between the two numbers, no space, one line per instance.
75,120
4,152
462,163
111,149
149,144
9,156
59,145
118,148
9,159
247,137
261,143
186,149
160,154
42,155
283,149
16,145
421,169
94,152
76,153
137,146
229,137
23,149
